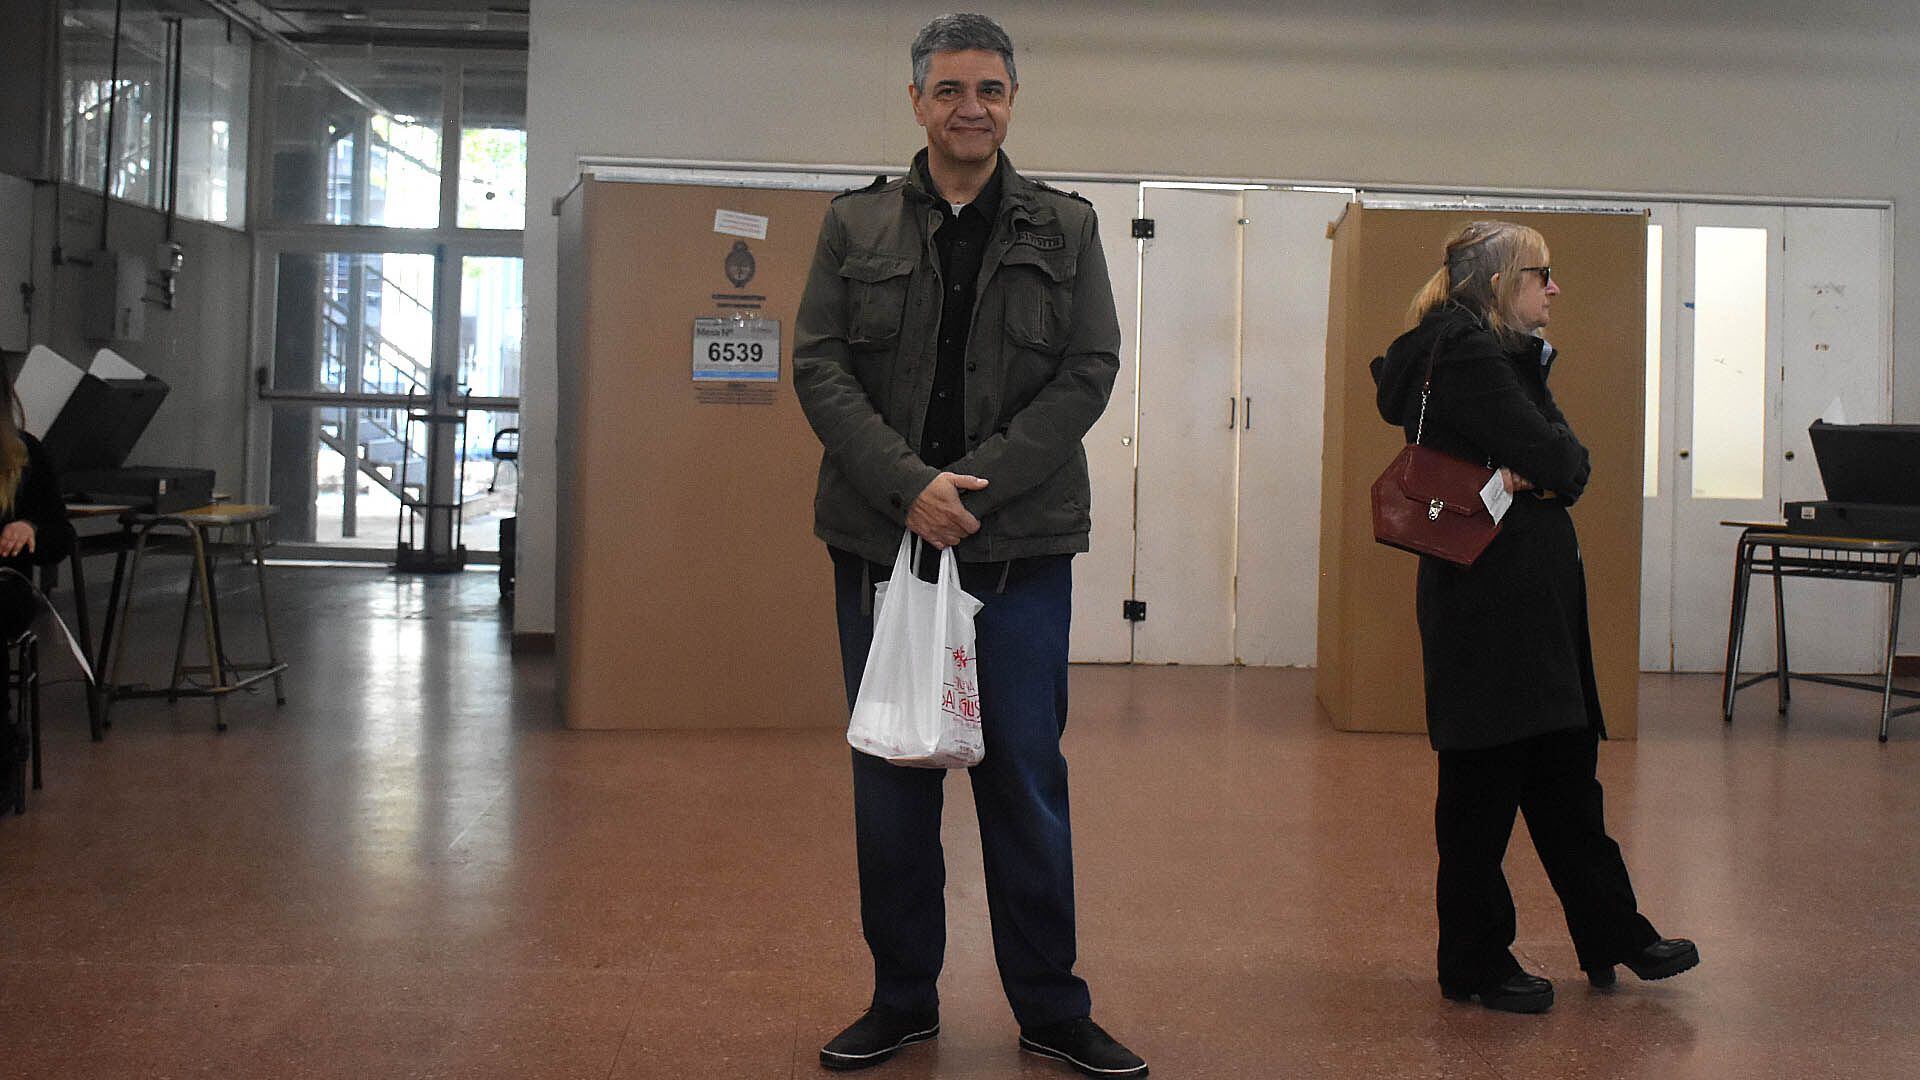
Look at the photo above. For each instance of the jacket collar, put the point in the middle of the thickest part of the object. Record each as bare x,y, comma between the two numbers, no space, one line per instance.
1017,193
1544,352
986,202
1532,349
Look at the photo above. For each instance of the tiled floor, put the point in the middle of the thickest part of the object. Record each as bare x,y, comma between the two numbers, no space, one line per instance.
411,871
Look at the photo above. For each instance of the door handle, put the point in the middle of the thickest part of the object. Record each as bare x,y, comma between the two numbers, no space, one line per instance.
1246,415
1683,453
1789,455
1233,403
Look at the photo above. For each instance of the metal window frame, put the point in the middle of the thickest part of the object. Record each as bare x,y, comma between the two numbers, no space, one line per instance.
821,175
53,136
446,240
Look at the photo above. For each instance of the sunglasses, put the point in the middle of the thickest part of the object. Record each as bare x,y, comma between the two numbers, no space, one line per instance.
1545,272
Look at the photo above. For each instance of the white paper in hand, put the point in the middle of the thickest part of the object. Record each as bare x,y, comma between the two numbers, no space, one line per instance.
1496,496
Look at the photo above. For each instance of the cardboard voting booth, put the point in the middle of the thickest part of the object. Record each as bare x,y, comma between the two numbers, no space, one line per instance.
692,592
89,421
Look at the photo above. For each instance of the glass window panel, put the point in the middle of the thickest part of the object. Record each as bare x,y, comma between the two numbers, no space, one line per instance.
493,149
138,109
354,324
1650,467
489,477
214,74
492,328
337,163
337,473
492,313
1729,362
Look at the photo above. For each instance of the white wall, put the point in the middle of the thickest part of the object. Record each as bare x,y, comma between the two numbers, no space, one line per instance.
16,259
1769,99
201,347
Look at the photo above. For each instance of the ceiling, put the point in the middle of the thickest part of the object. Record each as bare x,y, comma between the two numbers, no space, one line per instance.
478,23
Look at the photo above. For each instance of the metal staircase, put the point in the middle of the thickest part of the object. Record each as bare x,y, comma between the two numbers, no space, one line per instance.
373,439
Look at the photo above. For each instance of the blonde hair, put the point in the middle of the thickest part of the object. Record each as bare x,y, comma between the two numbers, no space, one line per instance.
1474,254
13,452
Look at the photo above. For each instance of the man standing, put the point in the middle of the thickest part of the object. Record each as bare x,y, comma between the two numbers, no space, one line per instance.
956,340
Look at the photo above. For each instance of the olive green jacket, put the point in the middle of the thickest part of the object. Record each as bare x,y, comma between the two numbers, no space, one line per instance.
1041,358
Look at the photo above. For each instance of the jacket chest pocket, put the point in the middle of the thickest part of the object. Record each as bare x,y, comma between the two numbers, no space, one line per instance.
1039,290
876,287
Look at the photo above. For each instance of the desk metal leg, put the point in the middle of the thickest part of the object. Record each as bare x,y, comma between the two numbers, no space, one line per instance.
87,653
115,633
1893,642
213,597
213,629
1736,625
1780,638
266,612
30,678
180,640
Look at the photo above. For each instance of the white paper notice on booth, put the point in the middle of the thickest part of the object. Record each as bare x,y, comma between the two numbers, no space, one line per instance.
735,223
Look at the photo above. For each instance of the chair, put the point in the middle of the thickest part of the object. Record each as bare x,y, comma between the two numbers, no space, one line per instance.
23,680
506,451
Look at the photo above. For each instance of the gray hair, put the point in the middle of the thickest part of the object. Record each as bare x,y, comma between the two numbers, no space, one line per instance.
1476,253
955,33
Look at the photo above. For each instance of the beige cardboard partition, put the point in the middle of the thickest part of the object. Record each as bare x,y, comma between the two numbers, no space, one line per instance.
1369,648
692,593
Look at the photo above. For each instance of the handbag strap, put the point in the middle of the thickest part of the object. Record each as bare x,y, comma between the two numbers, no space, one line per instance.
1426,389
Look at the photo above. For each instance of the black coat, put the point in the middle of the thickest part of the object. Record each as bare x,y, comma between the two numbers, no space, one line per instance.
1504,643
37,501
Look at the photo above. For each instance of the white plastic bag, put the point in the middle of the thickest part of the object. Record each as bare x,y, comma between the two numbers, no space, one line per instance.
919,701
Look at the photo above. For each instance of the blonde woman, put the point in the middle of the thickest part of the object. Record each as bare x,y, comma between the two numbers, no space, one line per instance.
1511,704
33,531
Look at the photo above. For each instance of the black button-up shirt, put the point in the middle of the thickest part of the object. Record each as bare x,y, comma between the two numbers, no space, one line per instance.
962,243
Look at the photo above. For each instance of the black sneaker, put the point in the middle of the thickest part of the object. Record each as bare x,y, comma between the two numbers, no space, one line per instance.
874,1037
1081,1044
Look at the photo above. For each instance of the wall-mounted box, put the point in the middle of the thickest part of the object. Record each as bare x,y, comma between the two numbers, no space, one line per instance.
113,303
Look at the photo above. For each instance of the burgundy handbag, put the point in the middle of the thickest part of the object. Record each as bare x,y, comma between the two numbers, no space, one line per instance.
1428,502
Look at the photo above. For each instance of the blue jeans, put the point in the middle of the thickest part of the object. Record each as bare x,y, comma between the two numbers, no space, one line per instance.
1019,791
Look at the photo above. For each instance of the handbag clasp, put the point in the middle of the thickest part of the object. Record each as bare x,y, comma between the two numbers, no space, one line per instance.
1433,509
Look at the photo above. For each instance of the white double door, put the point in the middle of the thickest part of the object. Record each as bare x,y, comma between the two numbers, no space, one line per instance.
1206,466
1768,318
